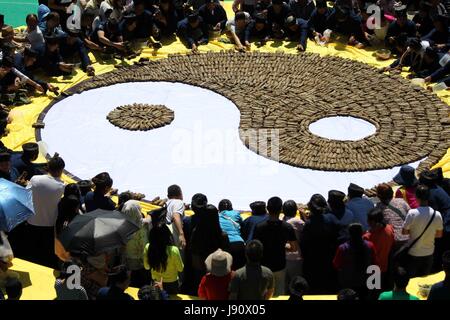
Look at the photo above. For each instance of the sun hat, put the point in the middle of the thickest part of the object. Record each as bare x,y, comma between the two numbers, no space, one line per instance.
219,263
406,176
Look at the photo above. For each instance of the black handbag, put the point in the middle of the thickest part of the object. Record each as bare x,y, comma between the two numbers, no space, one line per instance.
401,257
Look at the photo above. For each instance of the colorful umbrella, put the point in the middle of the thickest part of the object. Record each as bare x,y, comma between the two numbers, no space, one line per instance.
16,205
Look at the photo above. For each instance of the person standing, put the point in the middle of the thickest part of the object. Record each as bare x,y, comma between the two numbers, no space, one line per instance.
259,214
318,243
215,284
352,260
175,215
163,259
47,191
277,237
423,224
407,180
294,259
359,205
381,235
394,212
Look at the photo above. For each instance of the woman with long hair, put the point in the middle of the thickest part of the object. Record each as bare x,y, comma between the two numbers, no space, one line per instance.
206,238
163,259
352,259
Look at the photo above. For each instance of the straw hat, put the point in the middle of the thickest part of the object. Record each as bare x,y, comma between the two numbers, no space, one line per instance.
219,263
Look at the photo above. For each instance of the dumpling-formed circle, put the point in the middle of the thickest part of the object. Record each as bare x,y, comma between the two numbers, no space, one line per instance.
140,117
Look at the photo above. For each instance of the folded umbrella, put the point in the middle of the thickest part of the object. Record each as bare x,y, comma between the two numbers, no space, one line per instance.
97,232
16,205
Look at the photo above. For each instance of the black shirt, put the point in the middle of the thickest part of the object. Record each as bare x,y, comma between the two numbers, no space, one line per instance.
95,201
274,235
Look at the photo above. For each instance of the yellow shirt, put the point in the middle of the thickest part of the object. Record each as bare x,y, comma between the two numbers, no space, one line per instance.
174,265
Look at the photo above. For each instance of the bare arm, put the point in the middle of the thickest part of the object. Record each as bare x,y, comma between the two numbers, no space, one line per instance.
179,225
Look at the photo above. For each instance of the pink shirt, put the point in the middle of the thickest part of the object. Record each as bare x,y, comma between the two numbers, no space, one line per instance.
409,195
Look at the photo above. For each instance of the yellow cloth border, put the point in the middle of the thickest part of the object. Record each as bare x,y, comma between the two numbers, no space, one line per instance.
38,282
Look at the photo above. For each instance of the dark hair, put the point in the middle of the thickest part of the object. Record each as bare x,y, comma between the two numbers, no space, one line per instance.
198,202
279,2
385,192
72,189
123,198
120,275
336,199
102,181
225,205
376,215
29,16
318,205
254,251
148,293
207,235
422,192
401,278
53,16
160,238
274,205
290,208
361,254
173,191
299,286
239,16
347,294
13,288
446,261
56,164
67,210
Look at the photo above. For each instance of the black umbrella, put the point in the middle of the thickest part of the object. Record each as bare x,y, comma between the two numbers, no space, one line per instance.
97,232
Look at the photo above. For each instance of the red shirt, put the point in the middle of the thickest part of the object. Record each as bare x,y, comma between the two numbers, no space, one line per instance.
383,241
214,288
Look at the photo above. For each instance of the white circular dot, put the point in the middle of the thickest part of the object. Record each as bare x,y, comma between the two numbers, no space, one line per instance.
342,128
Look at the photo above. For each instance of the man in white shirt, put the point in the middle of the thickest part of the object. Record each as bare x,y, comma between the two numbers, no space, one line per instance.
47,191
421,254
175,214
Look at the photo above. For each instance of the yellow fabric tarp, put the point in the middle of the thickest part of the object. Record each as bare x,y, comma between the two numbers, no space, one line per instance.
38,282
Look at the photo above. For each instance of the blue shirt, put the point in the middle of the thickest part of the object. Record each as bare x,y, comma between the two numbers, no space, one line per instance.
440,201
113,293
230,222
360,208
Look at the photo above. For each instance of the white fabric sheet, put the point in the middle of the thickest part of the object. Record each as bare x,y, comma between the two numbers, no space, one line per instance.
200,150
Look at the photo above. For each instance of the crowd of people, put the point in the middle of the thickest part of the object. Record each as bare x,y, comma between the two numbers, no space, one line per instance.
56,39
282,248
325,247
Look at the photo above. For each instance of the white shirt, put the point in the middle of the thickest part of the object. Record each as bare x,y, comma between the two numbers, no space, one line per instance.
231,24
416,221
174,206
47,192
